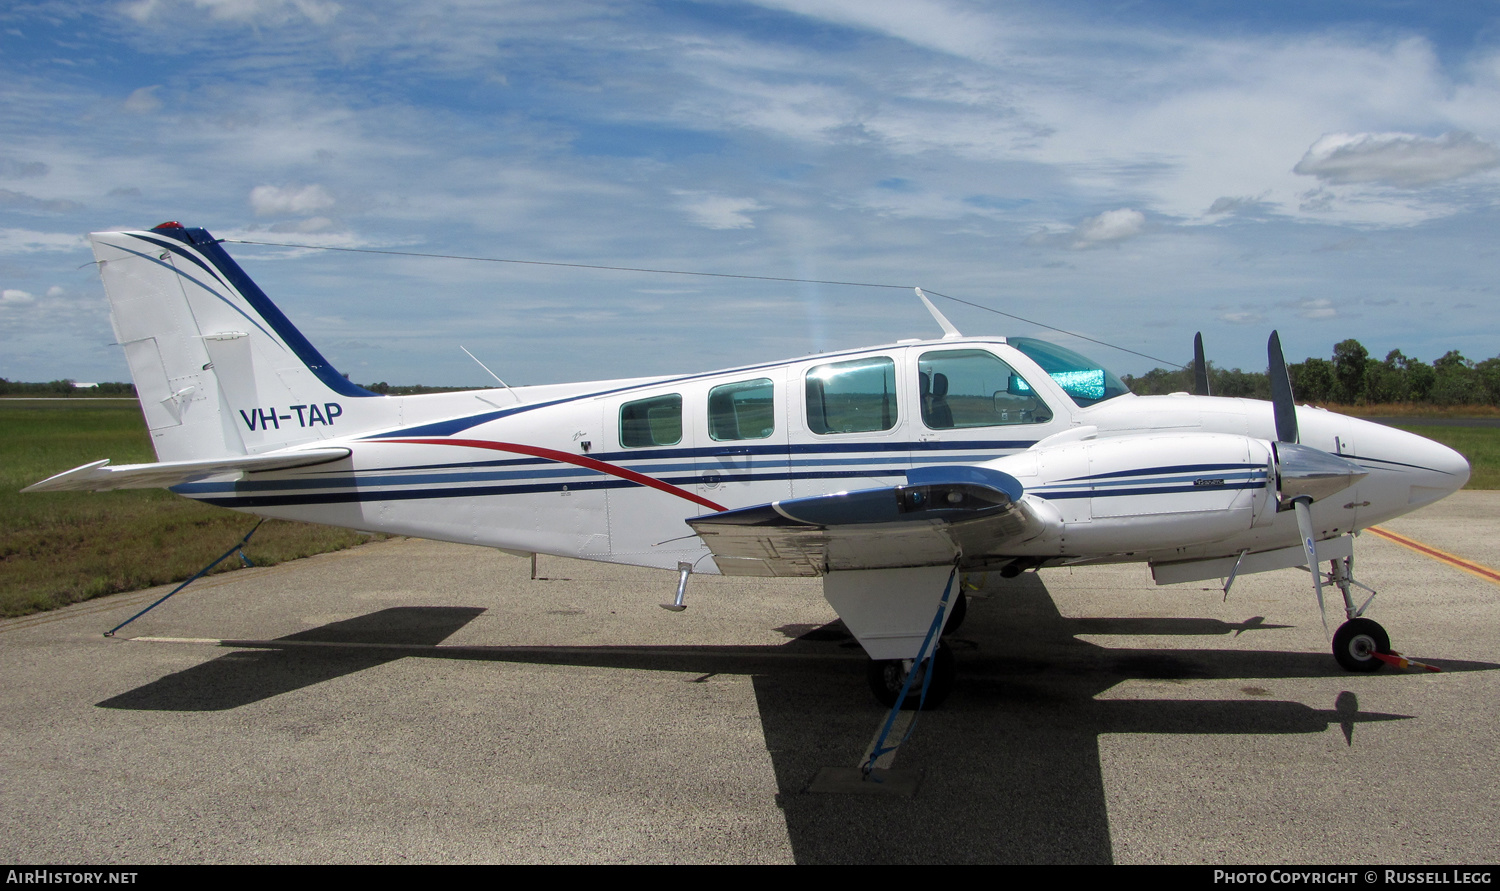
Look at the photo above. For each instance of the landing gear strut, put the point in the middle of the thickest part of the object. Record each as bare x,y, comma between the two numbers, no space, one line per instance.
1357,640
886,677
957,614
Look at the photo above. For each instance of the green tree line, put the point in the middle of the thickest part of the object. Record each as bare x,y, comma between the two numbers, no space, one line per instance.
64,389
1350,377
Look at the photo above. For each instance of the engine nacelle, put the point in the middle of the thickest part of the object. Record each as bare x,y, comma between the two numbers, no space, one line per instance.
1132,494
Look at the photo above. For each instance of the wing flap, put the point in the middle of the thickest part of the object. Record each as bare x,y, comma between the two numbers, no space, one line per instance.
99,476
941,514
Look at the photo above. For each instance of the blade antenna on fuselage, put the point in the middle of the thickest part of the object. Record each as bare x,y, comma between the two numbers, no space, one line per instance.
949,332
484,366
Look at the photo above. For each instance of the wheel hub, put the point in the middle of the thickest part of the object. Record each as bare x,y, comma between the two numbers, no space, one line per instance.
1362,647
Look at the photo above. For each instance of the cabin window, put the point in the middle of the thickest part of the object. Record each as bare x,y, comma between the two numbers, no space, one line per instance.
745,410
651,422
1086,382
972,388
858,396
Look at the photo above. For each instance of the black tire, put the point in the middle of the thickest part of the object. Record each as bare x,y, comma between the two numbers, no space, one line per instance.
1356,640
887,675
957,614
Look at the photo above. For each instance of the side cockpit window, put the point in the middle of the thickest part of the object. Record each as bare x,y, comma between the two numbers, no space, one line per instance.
745,410
651,422
972,388
858,396
1085,381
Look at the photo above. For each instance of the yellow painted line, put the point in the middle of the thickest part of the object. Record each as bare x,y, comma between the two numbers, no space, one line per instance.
1468,566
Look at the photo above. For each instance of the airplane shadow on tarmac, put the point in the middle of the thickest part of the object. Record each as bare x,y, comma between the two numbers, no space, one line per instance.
1011,770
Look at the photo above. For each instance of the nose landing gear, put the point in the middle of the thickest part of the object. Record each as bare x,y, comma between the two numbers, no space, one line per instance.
1356,643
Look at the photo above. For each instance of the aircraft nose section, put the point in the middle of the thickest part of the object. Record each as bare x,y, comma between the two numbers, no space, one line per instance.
1449,462
1441,470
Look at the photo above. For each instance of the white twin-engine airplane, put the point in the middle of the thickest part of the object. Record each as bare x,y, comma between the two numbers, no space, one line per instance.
885,470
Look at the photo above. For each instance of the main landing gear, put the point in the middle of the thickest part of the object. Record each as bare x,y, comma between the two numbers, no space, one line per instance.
888,676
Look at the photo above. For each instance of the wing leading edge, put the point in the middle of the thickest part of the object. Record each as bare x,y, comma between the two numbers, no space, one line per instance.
943,513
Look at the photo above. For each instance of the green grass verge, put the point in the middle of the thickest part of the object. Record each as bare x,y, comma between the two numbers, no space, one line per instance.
58,548
1481,445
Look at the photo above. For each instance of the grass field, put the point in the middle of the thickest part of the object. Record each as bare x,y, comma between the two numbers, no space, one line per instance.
62,547
58,548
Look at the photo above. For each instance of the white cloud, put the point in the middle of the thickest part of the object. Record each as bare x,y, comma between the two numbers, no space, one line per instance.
143,100
1236,205
1404,160
934,24
255,12
719,211
301,200
1243,317
25,241
1316,309
13,296
307,226
1108,227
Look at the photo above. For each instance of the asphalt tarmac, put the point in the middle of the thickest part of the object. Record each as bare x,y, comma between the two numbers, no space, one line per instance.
412,702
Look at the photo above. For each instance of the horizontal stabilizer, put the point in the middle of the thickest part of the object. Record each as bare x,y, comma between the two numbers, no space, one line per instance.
98,476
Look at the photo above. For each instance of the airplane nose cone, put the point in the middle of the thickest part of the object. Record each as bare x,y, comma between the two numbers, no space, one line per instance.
1443,470
1448,461
1406,470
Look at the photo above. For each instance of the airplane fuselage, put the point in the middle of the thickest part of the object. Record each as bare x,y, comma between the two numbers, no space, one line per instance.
610,470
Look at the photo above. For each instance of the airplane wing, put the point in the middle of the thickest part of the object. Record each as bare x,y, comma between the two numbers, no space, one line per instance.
942,512
98,476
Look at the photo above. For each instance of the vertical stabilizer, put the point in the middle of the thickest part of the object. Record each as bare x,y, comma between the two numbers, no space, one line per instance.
218,369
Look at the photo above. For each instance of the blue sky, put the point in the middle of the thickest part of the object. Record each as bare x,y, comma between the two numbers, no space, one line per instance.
1133,171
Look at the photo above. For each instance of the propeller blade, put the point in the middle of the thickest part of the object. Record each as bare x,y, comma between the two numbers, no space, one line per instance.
1303,507
1281,392
1200,367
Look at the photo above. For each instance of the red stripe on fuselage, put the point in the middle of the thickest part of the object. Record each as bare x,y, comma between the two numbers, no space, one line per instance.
567,458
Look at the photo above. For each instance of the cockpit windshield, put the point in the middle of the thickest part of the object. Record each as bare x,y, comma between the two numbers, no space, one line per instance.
1085,381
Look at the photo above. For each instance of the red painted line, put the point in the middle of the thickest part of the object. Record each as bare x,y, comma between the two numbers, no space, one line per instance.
568,458
1434,553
